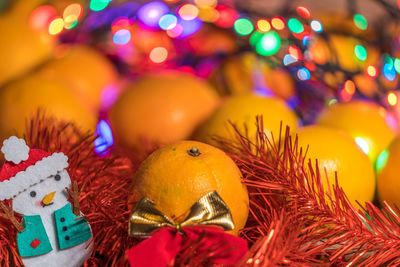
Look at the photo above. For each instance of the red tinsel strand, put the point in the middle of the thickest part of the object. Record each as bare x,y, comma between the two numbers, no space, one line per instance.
277,176
104,183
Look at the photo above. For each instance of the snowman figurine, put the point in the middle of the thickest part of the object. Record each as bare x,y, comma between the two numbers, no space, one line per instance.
36,183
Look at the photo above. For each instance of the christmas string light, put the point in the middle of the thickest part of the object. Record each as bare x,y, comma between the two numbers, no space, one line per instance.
268,36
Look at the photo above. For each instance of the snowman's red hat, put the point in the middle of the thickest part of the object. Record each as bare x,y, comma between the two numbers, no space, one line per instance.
25,167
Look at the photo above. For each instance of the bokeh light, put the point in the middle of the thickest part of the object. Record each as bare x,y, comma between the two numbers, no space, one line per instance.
56,26
41,17
120,23
371,71
306,40
360,52
151,13
189,27
175,32
73,10
105,137
294,51
303,12
288,59
122,37
227,16
243,26
349,87
382,160
70,22
316,26
396,64
392,98
206,3
295,25
263,25
158,54
360,21
188,12
98,5
269,44
303,74
332,101
389,72
209,14
168,22
278,23
255,37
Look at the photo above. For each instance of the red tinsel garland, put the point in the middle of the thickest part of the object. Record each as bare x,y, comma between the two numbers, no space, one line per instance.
104,183
319,226
294,220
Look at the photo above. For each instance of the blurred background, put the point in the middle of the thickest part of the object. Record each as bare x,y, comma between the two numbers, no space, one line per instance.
145,73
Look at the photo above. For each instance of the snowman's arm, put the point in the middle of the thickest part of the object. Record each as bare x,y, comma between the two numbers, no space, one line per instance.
74,195
8,214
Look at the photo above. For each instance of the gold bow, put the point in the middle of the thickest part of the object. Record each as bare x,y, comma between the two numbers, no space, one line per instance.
208,210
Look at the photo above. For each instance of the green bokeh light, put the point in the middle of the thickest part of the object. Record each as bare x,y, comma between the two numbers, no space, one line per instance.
360,21
243,26
397,65
269,44
72,25
388,59
295,25
255,38
360,52
98,5
381,161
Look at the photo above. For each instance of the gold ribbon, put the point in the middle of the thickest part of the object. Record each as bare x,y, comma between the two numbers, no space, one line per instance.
208,210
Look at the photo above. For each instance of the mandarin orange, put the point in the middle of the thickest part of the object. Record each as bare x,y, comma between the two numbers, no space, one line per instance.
336,151
366,122
161,108
22,48
85,70
387,166
21,99
245,73
242,111
177,175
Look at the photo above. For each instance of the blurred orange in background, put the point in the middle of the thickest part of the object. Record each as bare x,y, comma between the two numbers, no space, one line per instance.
162,108
22,48
84,70
21,99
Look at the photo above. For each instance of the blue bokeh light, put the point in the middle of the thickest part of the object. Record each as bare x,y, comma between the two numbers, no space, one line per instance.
151,13
105,138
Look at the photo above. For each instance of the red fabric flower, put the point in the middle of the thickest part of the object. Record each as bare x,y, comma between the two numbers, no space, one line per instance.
206,245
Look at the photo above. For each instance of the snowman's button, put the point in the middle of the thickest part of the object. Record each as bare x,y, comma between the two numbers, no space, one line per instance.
35,243
64,228
62,219
67,237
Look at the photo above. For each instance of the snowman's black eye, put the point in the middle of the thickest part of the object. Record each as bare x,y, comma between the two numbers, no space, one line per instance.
33,193
57,177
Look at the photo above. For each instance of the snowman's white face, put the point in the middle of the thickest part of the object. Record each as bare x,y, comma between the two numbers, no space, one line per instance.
30,202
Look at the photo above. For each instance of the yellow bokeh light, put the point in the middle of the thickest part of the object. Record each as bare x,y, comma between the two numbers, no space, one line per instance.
208,14
278,23
206,3
350,87
56,26
371,70
158,54
263,25
72,10
392,98
188,12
